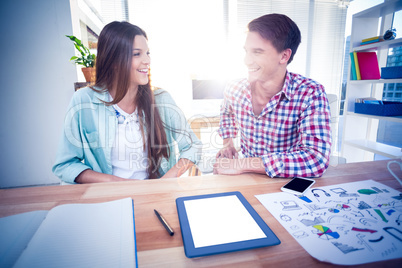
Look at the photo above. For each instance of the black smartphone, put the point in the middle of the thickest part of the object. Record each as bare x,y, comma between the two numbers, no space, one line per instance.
298,185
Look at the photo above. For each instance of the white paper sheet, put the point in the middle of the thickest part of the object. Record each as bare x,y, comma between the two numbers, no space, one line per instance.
347,224
84,235
220,220
15,233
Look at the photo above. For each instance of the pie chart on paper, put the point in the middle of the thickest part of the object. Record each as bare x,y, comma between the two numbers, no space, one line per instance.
326,233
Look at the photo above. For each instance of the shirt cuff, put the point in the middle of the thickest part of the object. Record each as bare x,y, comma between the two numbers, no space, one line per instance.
72,173
274,164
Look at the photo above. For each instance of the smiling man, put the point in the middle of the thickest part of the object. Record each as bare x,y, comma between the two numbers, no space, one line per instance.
283,118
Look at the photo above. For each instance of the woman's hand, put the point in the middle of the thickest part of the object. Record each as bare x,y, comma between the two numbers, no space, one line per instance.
179,169
90,176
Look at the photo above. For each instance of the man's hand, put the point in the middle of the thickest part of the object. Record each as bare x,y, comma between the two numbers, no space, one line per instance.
228,150
227,166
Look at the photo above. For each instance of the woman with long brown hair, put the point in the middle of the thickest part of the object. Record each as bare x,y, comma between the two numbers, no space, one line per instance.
120,129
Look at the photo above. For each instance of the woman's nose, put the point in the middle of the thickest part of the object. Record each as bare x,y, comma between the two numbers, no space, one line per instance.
146,59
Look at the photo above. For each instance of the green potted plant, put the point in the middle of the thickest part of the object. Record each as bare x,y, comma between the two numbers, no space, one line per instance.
87,59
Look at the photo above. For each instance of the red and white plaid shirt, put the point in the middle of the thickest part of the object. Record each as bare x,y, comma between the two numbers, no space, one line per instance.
292,134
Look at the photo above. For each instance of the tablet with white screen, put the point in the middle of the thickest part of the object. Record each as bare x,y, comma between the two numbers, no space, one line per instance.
218,223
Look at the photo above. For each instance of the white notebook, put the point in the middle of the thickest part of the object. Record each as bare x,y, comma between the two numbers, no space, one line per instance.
72,235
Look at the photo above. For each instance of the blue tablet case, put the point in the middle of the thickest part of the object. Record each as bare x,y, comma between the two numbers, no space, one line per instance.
192,252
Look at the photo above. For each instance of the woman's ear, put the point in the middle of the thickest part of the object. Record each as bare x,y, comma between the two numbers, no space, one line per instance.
286,55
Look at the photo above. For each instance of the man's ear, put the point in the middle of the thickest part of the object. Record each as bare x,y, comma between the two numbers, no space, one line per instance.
286,55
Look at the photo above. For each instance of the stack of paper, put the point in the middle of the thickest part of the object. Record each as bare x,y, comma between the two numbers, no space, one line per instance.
73,235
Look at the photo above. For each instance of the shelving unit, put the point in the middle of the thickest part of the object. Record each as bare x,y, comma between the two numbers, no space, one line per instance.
388,118
380,81
359,138
381,45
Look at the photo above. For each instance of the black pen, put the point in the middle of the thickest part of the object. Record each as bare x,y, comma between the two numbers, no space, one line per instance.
164,222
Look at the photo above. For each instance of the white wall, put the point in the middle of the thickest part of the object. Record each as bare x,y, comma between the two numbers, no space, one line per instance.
37,82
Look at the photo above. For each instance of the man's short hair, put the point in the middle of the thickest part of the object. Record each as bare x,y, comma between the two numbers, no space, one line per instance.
280,30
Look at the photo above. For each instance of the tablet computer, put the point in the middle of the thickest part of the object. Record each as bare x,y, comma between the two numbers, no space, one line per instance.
219,223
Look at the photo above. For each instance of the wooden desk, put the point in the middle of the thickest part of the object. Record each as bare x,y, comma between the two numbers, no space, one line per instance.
157,249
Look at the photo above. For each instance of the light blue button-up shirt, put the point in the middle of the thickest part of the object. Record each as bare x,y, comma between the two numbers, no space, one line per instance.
89,133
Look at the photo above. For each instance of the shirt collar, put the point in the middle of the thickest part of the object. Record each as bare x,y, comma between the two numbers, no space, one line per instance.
287,90
101,95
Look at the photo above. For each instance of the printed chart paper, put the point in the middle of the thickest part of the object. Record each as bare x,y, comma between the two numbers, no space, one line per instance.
347,224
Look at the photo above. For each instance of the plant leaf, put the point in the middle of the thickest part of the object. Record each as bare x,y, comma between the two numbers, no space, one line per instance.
87,59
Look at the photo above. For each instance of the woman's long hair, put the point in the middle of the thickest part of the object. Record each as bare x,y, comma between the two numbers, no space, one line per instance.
113,65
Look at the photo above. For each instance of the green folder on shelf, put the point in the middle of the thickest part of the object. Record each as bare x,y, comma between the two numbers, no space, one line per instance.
352,67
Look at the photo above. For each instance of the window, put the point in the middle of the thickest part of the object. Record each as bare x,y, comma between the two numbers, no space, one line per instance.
203,40
390,132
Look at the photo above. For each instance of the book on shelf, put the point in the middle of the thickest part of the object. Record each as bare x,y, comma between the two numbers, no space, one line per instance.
352,67
356,65
372,38
71,235
364,66
368,65
363,100
370,42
